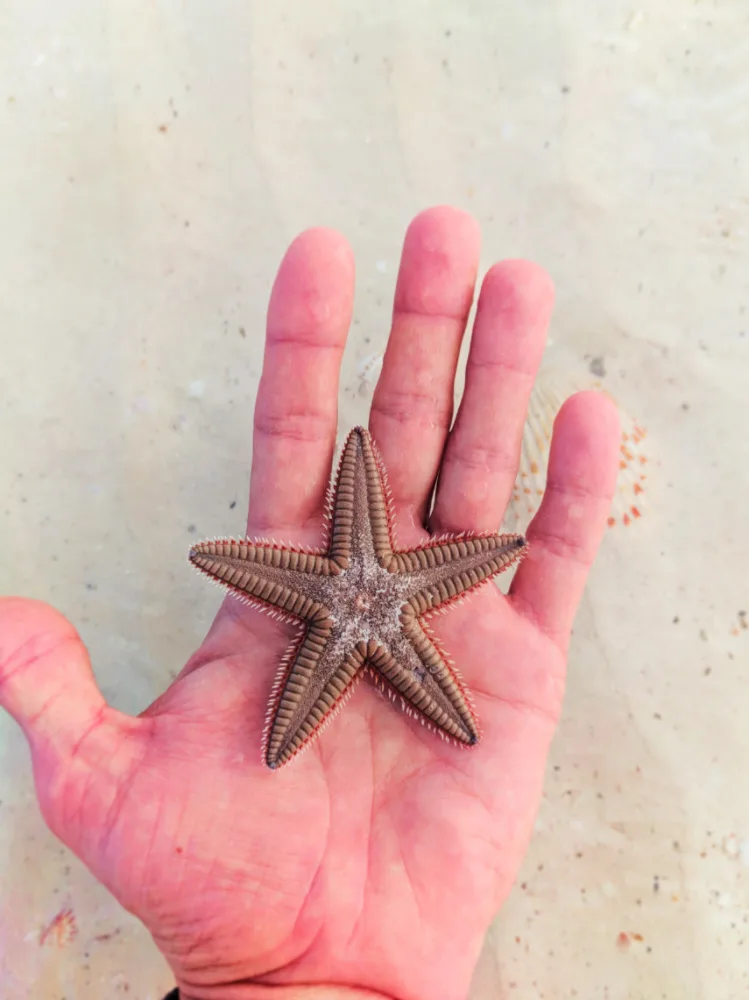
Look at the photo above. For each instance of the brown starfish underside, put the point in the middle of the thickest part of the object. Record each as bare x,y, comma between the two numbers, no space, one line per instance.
362,605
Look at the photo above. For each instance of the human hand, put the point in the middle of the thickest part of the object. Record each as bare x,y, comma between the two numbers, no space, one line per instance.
375,861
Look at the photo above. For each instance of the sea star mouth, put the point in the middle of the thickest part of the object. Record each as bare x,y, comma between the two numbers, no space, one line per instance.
363,602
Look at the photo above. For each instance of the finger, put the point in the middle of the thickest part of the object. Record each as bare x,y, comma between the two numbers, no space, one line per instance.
82,749
413,401
46,682
483,450
565,533
296,409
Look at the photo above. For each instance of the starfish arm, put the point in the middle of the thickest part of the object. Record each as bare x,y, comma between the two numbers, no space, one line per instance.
415,670
441,571
360,515
313,684
290,582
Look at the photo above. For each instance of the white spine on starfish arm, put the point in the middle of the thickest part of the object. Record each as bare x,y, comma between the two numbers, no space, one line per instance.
277,688
282,671
326,530
388,494
385,689
457,676
460,536
278,685
329,502
260,542
252,602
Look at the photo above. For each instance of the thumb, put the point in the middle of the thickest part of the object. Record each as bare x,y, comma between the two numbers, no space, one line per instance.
47,685
46,681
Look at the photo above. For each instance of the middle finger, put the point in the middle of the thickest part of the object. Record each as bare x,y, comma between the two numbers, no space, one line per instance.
413,401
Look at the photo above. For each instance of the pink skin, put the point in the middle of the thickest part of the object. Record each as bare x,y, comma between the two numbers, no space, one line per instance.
374,862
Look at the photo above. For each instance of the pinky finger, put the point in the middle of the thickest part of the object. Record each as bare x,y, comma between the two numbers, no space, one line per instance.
565,533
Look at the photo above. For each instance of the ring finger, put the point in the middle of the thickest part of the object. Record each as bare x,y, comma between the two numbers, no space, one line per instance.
482,454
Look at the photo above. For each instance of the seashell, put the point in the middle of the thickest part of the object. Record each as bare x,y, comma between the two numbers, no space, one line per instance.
368,371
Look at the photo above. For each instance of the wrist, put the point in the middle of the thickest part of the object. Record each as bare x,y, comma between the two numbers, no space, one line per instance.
259,991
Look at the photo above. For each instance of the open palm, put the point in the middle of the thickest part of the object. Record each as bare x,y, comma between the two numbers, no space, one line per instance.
376,859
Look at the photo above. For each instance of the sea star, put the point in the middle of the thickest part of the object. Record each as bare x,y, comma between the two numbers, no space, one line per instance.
362,605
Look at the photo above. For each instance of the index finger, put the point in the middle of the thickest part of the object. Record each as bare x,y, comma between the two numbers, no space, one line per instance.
296,412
